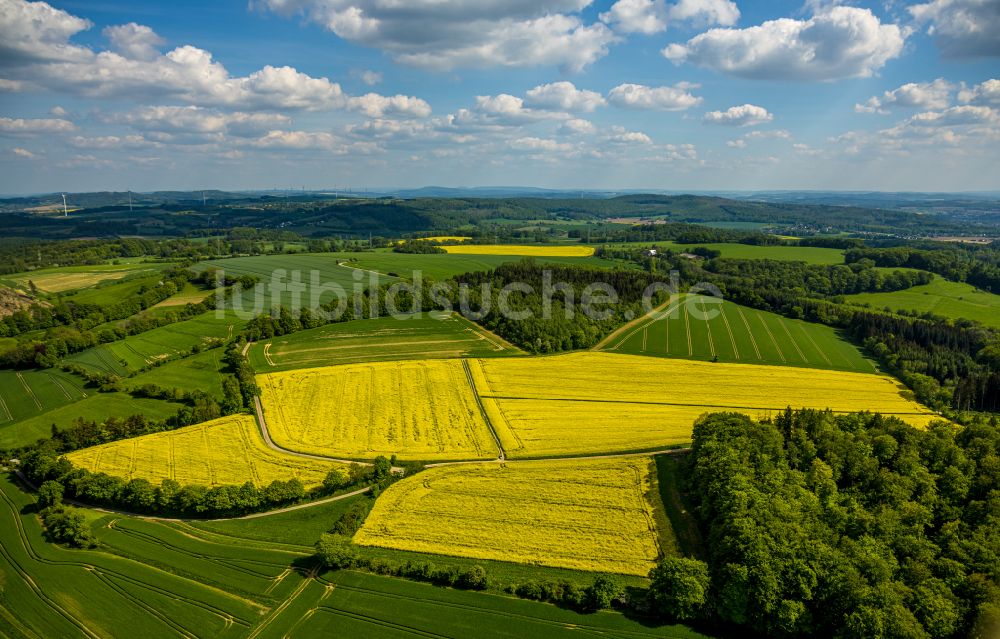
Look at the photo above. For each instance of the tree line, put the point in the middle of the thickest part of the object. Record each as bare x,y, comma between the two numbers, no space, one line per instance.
976,265
44,466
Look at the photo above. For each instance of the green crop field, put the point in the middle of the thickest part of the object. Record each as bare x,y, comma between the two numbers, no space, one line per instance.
385,264
421,336
198,372
261,298
96,407
735,333
442,266
70,278
163,579
27,394
940,297
139,351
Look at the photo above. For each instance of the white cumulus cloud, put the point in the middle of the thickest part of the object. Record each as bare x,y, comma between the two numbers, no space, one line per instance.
577,126
621,135
563,96
35,47
445,34
134,41
962,28
638,96
653,16
837,42
743,115
921,95
985,93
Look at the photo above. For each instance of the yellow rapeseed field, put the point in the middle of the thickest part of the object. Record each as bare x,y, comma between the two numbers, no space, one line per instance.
223,451
582,514
422,409
571,250
599,402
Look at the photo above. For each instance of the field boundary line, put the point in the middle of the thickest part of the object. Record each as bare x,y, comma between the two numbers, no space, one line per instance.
482,409
771,335
784,326
749,332
732,340
30,392
489,335
815,345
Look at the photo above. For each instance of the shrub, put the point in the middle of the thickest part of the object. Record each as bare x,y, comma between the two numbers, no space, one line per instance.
336,551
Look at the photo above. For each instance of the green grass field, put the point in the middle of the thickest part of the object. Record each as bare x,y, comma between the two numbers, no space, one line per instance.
161,579
96,406
738,334
940,297
808,254
420,336
295,528
138,351
198,372
111,292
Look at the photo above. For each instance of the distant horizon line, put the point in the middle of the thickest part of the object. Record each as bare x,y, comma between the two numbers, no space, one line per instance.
506,188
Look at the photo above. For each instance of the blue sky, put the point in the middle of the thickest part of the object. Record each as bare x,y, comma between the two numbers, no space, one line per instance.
665,94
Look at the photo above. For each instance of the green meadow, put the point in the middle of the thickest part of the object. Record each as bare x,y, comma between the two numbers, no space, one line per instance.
941,297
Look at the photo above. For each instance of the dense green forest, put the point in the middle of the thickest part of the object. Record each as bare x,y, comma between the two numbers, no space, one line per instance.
847,526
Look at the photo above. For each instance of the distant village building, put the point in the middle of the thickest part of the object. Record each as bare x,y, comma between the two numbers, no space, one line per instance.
690,256
649,253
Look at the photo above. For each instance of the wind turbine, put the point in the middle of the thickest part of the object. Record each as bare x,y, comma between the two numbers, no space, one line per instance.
65,210
130,200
